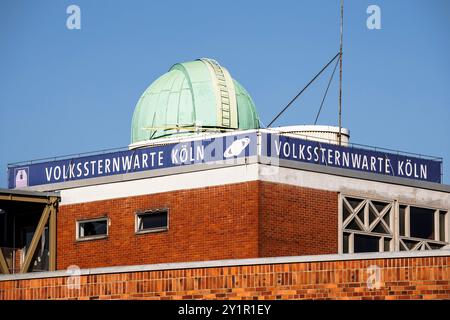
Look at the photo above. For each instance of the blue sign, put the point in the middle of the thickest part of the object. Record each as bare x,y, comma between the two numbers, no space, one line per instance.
209,150
396,165
206,150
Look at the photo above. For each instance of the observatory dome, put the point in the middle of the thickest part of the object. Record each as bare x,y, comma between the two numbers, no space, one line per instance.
192,97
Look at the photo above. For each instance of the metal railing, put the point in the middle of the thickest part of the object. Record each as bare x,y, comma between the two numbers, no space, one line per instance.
67,156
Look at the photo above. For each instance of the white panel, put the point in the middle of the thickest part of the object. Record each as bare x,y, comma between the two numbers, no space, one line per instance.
374,189
192,180
253,172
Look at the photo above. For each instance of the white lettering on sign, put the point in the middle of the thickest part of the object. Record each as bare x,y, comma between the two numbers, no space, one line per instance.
350,160
181,154
104,166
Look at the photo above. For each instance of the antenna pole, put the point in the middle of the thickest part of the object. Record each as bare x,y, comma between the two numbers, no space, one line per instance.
340,72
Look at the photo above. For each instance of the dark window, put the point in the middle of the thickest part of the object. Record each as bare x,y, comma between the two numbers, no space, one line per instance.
435,246
411,244
442,225
402,220
345,242
387,245
364,243
354,202
93,228
421,222
3,228
379,205
152,221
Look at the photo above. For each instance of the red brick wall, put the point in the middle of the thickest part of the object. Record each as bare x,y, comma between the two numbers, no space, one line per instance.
204,224
400,278
297,221
246,220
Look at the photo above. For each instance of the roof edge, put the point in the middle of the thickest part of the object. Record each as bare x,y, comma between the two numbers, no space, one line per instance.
233,263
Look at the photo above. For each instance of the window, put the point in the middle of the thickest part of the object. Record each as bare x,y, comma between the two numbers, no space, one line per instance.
152,221
92,229
402,213
368,225
442,224
363,243
421,222
423,228
3,227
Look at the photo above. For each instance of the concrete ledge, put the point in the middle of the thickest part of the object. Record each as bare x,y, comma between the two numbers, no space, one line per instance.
354,174
232,263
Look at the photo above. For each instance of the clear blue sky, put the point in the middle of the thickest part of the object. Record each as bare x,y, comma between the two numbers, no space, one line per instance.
68,91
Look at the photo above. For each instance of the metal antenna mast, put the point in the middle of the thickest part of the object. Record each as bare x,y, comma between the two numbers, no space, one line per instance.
340,72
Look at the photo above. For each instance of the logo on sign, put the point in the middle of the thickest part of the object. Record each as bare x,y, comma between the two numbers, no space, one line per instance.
236,148
21,177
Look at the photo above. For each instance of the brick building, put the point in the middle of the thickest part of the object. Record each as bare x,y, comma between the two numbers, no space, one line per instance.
201,181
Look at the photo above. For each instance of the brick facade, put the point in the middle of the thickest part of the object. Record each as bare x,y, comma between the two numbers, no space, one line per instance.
245,220
297,221
204,224
400,278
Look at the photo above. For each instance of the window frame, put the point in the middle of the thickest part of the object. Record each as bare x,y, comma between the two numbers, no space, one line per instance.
138,214
390,236
96,237
436,213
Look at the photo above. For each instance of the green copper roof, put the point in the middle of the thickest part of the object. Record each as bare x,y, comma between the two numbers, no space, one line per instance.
192,97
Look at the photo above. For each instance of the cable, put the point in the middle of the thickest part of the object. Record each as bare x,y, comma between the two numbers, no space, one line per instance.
326,92
261,124
298,95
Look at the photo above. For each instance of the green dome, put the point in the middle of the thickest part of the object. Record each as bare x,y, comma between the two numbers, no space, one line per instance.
193,97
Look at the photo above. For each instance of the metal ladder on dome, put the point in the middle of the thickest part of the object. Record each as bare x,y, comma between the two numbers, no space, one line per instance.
223,91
